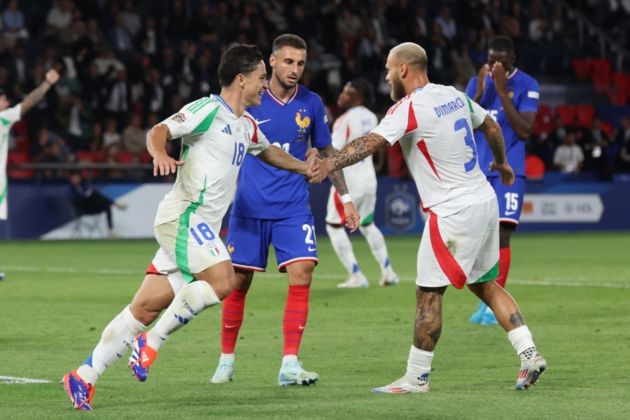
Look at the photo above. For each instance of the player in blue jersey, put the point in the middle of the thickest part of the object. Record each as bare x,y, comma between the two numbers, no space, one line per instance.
511,96
272,208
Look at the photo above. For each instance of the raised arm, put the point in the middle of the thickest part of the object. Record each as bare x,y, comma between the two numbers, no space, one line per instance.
494,137
39,92
351,153
163,164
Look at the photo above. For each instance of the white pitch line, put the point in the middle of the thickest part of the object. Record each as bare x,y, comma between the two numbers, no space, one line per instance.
17,380
543,282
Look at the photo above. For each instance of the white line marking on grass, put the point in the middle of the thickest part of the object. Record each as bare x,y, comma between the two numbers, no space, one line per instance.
16,380
543,282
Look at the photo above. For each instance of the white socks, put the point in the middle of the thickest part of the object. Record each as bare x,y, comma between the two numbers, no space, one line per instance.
375,239
419,364
116,339
188,302
521,339
343,248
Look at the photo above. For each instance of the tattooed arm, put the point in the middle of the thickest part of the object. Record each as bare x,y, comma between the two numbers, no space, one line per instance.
494,137
335,176
339,182
353,152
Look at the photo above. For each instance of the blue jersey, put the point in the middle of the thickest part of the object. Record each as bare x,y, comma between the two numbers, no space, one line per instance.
265,192
524,92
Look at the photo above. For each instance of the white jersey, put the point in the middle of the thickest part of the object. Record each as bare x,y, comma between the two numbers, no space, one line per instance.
434,127
214,143
356,122
7,118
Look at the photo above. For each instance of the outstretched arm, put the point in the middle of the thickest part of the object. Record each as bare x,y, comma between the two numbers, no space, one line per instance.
353,152
39,92
494,137
278,158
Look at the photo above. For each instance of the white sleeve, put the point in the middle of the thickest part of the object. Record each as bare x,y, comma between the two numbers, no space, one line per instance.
257,140
12,114
194,118
396,122
339,134
477,112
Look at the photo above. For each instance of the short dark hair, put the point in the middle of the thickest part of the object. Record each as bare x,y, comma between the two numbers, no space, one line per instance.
288,40
365,91
2,92
501,43
238,59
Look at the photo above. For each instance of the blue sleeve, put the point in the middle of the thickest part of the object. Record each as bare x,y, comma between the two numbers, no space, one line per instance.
471,89
530,97
320,133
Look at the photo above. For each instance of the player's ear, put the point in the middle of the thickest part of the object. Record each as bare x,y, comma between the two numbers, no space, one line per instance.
241,80
272,59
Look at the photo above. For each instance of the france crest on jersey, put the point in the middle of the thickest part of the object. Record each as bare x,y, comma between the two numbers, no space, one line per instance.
524,92
265,192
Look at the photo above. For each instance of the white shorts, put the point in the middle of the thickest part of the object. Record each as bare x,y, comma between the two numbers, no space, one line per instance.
187,248
460,249
363,201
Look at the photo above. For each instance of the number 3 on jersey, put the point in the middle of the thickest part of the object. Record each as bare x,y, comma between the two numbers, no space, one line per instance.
462,124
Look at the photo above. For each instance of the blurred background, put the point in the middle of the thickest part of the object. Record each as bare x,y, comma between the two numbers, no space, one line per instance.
126,65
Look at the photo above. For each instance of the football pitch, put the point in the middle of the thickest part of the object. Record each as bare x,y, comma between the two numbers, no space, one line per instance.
573,290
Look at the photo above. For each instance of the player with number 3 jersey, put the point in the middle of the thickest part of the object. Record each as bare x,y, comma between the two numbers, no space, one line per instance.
460,243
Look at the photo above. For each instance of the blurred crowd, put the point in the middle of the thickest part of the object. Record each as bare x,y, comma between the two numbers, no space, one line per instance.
127,64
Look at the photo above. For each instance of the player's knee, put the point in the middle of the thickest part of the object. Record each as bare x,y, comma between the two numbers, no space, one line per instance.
302,276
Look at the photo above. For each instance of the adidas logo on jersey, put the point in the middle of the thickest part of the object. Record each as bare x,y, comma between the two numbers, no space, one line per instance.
227,130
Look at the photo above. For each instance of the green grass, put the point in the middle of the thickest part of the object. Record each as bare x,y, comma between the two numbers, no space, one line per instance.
573,289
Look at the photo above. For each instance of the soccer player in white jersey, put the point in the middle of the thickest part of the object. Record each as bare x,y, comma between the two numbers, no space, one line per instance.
460,242
8,117
356,96
192,269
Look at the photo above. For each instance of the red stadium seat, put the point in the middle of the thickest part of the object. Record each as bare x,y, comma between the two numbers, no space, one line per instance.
567,114
124,157
582,68
16,158
544,120
90,157
601,75
607,128
620,90
534,167
585,114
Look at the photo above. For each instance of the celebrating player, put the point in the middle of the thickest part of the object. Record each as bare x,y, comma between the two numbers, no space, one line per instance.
460,243
358,120
191,270
511,98
272,208
8,117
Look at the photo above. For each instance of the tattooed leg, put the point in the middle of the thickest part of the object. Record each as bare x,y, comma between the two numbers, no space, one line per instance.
428,317
501,302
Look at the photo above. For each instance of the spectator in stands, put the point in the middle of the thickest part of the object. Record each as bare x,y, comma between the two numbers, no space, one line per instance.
569,157
133,137
112,141
622,140
88,200
14,24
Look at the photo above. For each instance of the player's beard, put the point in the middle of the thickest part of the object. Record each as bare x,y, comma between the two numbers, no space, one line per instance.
397,91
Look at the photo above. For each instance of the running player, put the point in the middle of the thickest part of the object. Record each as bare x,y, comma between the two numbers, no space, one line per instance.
272,208
356,97
191,270
8,117
460,243
511,98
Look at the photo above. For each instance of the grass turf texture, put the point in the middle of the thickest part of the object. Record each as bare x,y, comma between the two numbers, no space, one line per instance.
573,290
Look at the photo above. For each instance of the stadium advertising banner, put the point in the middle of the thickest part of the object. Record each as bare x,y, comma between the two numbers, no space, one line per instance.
44,210
562,208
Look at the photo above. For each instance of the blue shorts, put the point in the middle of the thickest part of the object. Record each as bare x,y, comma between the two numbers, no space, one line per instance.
293,239
510,198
